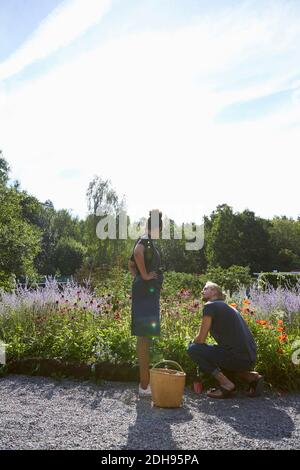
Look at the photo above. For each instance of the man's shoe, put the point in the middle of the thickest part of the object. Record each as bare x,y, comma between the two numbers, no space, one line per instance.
256,387
144,392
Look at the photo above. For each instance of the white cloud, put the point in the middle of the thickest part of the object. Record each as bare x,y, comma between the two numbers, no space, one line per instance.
59,29
140,110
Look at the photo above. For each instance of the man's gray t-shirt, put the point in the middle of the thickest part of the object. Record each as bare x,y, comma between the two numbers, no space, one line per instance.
230,330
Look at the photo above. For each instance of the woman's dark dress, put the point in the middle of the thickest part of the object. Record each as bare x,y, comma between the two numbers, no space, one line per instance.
145,307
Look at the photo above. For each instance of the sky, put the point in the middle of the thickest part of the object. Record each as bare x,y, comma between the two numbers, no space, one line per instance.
181,105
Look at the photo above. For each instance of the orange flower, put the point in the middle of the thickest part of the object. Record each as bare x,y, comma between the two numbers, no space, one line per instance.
280,329
246,302
233,305
261,322
282,338
280,322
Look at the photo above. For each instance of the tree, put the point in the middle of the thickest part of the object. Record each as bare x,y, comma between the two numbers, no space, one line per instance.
238,238
223,246
19,240
69,255
285,240
254,238
56,226
102,197
4,170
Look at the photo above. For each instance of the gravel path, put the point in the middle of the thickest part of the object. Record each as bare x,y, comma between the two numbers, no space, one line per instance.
42,413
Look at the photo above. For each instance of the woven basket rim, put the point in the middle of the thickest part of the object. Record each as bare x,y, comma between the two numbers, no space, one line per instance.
171,372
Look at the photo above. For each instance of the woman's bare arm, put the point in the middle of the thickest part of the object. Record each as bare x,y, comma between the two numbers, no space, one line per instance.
132,268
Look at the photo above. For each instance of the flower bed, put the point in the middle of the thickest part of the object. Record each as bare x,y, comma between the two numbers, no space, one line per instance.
69,330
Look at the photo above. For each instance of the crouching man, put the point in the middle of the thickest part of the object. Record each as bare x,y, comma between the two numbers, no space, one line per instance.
235,350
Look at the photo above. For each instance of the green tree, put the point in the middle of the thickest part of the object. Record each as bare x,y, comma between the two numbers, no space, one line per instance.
69,255
103,200
19,240
285,239
4,170
255,247
223,244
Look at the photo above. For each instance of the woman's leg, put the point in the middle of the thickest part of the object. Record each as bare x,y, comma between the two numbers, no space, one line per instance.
143,348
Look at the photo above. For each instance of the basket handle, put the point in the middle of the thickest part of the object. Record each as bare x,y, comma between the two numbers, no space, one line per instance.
169,362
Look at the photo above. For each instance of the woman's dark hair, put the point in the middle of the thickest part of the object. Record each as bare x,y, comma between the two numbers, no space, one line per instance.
154,220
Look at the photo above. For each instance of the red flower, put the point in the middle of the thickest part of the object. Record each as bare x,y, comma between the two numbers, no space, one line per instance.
280,329
245,310
185,293
282,338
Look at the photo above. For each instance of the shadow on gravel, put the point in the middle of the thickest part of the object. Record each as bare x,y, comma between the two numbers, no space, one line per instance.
152,428
259,418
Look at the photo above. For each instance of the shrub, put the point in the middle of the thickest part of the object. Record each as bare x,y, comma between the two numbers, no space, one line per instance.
7,282
285,280
230,279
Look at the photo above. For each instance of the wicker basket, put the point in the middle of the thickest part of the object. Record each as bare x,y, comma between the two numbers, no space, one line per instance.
167,385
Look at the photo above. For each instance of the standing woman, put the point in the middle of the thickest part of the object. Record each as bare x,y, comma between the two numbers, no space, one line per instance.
145,267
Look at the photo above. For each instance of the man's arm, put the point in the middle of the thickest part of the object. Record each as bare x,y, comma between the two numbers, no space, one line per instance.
204,330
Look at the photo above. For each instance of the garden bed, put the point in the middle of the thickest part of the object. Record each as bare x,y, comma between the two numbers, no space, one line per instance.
59,368
61,333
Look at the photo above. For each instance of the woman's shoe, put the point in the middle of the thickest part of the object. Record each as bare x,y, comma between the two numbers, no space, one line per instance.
144,392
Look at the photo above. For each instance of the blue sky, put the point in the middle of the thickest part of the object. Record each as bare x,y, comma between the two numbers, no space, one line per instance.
182,105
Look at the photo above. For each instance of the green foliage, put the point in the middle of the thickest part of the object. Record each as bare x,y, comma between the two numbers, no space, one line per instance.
237,239
7,281
230,279
69,255
285,239
223,245
19,240
275,349
275,280
4,170
57,227
36,239
66,332
175,282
